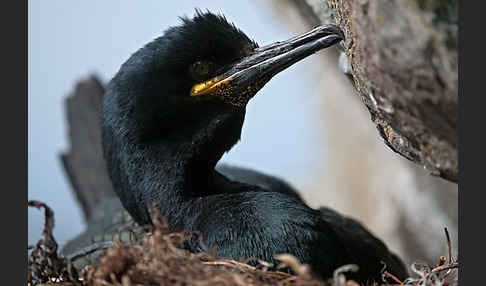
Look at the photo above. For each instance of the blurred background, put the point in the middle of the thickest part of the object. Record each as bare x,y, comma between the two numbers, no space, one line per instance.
292,128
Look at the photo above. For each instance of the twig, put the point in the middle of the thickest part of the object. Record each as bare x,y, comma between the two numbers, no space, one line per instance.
90,249
44,263
389,275
48,224
338,276
231,264
448,244
445,267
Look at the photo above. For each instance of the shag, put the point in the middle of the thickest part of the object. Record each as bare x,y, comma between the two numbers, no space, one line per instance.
176,106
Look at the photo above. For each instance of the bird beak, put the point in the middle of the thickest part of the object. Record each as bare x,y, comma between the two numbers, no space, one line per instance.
247,76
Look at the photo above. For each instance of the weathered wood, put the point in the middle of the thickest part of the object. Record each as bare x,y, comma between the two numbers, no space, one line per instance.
402,58
84,162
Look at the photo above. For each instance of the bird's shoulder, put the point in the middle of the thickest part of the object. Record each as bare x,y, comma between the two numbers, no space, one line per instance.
264,181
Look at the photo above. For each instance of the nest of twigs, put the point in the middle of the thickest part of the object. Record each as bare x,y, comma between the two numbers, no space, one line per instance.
161,260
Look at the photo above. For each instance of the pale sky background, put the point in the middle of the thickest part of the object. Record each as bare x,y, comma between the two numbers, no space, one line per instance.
68,40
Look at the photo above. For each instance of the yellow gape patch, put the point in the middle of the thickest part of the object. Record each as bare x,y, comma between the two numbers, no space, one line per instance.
206,87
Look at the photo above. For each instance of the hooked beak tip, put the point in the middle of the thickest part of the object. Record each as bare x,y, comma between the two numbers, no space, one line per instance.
332,32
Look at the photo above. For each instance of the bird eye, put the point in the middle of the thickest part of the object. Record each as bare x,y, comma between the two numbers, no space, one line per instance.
200,70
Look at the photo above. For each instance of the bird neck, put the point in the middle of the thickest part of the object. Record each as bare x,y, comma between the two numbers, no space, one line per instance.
171,170
198,149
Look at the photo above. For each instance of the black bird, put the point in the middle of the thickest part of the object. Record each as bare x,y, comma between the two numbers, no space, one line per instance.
176,106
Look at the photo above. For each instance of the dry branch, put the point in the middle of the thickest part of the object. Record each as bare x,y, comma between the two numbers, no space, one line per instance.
44,263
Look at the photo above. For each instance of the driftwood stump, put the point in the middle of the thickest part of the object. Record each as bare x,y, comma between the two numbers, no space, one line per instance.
84,162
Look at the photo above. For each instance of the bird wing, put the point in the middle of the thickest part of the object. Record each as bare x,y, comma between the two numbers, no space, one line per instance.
251,177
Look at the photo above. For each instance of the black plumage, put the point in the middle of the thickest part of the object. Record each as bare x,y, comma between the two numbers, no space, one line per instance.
163,134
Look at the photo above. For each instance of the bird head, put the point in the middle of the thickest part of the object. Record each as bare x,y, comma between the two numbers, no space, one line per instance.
201,74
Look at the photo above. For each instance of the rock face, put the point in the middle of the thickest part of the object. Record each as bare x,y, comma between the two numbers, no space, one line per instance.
400,57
